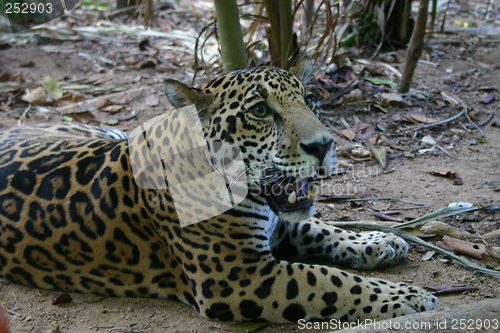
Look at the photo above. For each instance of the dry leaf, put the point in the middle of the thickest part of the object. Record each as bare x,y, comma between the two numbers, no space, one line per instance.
130,60
418,116
112,108
16,77
488,98
381,206
360,152
473,114
152,100
466,248
36,96
380,154
452,175
349,134
132,114
364,131
386,217
428,255
164,68
81,117
164,25
61,298
67,99
391,99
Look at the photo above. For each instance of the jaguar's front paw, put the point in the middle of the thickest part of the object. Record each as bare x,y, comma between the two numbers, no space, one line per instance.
369,250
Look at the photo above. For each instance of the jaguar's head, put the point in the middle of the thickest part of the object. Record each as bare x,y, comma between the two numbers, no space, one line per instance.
270,116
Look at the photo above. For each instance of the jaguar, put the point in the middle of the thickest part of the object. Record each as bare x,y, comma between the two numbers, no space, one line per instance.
81,210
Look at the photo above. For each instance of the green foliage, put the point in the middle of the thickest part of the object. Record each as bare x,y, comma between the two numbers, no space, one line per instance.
96,5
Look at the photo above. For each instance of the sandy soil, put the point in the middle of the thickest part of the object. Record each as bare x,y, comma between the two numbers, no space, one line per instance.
464,69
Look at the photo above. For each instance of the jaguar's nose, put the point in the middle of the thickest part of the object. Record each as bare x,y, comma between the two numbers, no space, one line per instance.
318,149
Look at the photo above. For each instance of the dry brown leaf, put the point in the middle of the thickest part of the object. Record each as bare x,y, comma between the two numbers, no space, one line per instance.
16,77
386,217
381,206
152,100
380,154
61,298
35,96
130,60
418,116
466,248
364,131
391,99
452,175
4,107
473,114
164,68
349,134
360,152
164,25
112,108
67,99
81,117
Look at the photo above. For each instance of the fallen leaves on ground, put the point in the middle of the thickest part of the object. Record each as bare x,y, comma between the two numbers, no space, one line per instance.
451,175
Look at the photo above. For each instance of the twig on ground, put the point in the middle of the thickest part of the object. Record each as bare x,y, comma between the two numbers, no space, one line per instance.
414,239
442,122
14,313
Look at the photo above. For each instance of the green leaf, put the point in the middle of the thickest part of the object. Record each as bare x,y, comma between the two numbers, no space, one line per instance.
481,140
52,86
87,3
67,119
104,4
378,81
380,108
246,327
350,40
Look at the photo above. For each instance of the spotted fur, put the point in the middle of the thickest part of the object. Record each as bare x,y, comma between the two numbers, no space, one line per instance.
73,218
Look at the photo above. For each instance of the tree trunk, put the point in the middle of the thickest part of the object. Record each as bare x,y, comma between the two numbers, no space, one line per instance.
415,47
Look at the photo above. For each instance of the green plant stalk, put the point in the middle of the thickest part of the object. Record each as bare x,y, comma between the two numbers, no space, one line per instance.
286,31
272,9
233,50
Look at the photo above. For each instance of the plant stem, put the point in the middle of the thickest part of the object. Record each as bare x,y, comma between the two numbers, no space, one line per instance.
233,50
415,47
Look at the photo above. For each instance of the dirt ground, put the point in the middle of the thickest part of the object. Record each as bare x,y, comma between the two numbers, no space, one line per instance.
469,70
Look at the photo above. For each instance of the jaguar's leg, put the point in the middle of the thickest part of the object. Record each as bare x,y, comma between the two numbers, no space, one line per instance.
363,250
279,291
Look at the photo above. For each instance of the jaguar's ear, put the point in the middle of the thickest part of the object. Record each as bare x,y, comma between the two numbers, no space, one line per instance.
302,69
181,95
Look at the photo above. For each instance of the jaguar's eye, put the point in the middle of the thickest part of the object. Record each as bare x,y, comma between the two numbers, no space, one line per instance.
260,110
310,102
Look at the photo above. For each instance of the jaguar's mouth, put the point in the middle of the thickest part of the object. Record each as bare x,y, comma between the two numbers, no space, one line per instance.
284,195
